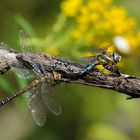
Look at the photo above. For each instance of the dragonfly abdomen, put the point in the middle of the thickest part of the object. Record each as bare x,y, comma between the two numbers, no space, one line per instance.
9,98
20,92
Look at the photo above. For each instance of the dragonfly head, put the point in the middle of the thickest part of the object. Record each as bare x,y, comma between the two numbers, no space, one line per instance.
116,57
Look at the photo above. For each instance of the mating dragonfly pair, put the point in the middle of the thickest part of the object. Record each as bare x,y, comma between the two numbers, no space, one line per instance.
40,94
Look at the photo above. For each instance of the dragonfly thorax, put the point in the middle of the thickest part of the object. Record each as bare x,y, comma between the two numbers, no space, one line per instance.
112,57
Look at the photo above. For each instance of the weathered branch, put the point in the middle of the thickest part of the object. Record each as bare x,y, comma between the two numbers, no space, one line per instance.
126,84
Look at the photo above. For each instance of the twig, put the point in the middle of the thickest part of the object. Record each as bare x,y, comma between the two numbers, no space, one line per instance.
126,84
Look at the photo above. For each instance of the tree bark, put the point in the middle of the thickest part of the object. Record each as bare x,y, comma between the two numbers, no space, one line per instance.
125,84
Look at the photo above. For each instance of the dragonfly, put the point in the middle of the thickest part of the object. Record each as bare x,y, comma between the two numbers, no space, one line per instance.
107,59
39,91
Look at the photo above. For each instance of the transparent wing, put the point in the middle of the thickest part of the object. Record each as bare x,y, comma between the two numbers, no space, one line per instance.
27,46
88,59
37,107
23,73
20,72
25,42
49,99
40,56
100,50
4,45
38,68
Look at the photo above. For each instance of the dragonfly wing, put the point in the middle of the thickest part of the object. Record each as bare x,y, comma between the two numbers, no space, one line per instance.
5,46
37,107
88,59
27,46
38,68
49,99
22,73
100,50
25,42
96,52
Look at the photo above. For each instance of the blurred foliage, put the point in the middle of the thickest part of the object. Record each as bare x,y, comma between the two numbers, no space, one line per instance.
72,29
99,21
104,132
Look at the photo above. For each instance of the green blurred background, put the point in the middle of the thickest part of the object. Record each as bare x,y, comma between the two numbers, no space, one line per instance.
56,27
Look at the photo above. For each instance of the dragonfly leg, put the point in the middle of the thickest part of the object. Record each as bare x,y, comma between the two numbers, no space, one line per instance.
112,68
102,74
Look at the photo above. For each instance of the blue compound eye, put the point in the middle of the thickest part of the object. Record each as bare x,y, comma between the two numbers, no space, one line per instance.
116,57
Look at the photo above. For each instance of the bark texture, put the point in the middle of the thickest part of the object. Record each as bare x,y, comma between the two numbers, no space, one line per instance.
125,84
